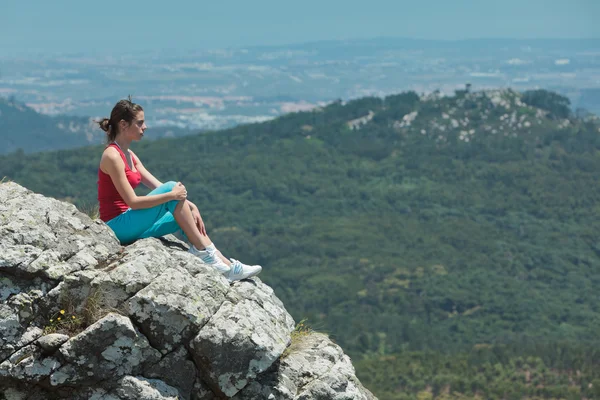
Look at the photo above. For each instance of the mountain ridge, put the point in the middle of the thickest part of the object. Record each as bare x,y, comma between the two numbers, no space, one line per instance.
394,240
24,129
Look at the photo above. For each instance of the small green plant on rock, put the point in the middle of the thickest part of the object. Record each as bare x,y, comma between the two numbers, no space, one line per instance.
70,320
62,322
299,333
91,210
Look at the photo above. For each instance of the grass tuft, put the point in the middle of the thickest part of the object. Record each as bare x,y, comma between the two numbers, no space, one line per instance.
91,210
71,321
299,333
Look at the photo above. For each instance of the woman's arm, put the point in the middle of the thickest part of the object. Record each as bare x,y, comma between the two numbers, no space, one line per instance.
148,179
113,165
152,183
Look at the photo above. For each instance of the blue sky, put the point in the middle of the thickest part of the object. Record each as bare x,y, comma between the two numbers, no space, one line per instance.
120,26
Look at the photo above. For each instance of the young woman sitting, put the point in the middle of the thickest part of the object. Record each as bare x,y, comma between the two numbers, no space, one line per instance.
164,210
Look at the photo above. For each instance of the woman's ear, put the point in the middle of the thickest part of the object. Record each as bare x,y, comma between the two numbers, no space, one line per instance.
122,124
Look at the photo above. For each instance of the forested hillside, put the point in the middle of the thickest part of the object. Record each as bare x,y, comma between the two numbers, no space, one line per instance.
449,244
23,128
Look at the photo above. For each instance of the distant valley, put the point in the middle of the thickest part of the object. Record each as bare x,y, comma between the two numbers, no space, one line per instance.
215,89
23,128
448,243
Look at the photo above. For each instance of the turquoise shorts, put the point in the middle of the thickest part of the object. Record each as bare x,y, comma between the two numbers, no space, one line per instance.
148,222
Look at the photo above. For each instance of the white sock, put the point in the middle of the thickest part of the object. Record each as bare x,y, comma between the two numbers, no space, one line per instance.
211,249
194,250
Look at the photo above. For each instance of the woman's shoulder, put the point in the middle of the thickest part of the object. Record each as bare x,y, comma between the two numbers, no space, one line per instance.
111,160
110,152
111,155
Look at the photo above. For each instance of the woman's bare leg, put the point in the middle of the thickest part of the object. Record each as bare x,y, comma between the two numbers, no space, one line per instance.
185,220
233,271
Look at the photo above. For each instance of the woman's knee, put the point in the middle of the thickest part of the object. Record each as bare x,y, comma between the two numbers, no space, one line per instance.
172,204
164,188
169,185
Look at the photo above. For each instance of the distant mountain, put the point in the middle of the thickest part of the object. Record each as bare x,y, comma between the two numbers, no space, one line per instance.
23,128
448,243
221,88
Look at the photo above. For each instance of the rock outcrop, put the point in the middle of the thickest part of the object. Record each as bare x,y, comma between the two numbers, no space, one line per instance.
82,317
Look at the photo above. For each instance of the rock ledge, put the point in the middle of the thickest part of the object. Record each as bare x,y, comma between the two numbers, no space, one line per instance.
146,321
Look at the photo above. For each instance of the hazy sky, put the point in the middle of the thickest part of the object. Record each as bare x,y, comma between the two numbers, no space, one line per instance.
73,26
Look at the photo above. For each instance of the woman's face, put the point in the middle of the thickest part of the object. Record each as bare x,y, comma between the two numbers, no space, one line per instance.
135,131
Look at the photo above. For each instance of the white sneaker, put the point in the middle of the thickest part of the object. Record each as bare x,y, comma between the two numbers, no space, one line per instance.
241,271
212,259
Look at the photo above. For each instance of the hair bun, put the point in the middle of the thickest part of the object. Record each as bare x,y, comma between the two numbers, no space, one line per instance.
104,124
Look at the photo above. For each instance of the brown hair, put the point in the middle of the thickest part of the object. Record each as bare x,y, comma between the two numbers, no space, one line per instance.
124,110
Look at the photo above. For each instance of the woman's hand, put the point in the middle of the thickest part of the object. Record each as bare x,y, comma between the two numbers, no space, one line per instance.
179,192
197,218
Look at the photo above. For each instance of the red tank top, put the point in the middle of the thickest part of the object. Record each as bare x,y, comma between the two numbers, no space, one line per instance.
110,201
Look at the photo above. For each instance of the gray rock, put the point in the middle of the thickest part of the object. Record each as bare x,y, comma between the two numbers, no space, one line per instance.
138,266
253,289
14,394
28,365
10,330
18,298
239,342
176,305
202,392
9,287
140,388
13,333
23,304
95,394
50,343
162,324
314,368
46,237
175,369
110,348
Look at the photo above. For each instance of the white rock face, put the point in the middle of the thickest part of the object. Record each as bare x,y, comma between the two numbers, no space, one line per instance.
50,343
43,236
240,341
28,365
315,368
109,348
134,388
162,325
176,305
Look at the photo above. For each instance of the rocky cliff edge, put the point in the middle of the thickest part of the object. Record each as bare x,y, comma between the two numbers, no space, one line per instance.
82,317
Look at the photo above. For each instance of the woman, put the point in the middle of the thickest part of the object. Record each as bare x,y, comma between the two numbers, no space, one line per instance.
164,210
